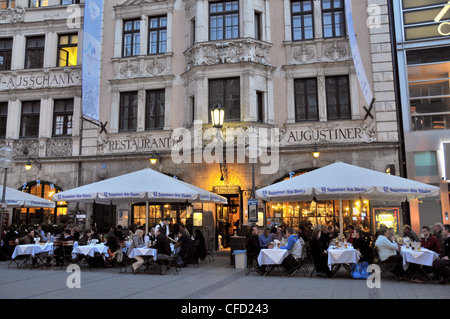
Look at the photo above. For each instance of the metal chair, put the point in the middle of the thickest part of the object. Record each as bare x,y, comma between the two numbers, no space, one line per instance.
19,260
385,267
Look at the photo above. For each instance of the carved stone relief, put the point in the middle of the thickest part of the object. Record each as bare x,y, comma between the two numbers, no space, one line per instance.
59,147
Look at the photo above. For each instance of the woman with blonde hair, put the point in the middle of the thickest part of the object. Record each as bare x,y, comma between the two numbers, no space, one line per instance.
138,242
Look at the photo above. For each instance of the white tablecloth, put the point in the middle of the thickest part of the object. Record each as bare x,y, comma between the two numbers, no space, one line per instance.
89,250
422,257
272,256
347,255
32,249
143,252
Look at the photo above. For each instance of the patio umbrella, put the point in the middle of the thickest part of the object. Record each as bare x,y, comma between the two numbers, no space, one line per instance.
15,198
145,185
344,181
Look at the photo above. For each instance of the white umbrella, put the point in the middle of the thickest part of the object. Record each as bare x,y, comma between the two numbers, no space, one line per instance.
344,181
145,185
15,198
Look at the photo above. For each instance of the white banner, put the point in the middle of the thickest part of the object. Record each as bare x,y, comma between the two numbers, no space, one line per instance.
359,66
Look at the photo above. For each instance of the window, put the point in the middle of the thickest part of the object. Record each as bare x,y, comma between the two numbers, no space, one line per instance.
223,20
425,163
29,126
227,93
7,4
31,215
306,104
131,38
37,3
338,97
429,88
302,20
260,106
3,118
67,49
63,117
333,18
155,213
258,27
5,54
154,109
34,55
66,2
157,35
128,111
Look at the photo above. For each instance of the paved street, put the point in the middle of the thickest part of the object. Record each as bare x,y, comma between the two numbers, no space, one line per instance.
212,280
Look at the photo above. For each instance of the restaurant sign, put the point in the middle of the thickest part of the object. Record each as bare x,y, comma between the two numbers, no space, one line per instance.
227,189
335,134
135,143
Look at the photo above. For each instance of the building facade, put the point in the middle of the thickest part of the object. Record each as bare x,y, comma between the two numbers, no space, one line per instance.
282,70
422,45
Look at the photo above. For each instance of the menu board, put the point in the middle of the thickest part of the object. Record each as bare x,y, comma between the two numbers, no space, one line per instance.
386,217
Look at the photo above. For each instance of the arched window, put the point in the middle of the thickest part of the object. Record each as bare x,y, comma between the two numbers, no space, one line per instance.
31,215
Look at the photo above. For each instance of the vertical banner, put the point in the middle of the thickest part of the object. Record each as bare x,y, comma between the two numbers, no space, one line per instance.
359,66
92,37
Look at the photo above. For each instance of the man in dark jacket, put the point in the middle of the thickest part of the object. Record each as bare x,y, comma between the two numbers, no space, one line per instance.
253,246
441,265
186,245
362,246
162,245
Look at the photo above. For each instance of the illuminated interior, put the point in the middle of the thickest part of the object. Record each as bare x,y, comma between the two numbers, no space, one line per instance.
68,49
293,214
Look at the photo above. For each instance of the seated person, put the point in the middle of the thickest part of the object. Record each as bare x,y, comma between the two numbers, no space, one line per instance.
113,247
137,242
162,245
253,246
118,232
441,266
408,232
429,241
387,251
295,251
325,237
150,237
86,238
319,254
265,239
360,244
186,245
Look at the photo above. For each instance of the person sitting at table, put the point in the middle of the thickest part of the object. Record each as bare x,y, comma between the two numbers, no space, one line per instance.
150,237
274,234
441,265
186,245
86,238
39,233
319,254
361,245
265,239
429,241
76,233
388,252
253,246
137,242
408,232
325,237
119,234
295,251
438,233
303,233
113,248
162,245
350,233
391,235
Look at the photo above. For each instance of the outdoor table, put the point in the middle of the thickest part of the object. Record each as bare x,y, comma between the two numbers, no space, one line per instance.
272,258
338,257
89,250
32,249
144,252
424,257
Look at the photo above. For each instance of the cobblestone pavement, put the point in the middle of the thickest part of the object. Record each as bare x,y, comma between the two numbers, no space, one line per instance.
212,280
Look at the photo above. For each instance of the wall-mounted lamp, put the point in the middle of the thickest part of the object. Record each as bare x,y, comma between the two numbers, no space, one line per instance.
154,158
316,152
390,169
217,115
31,159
